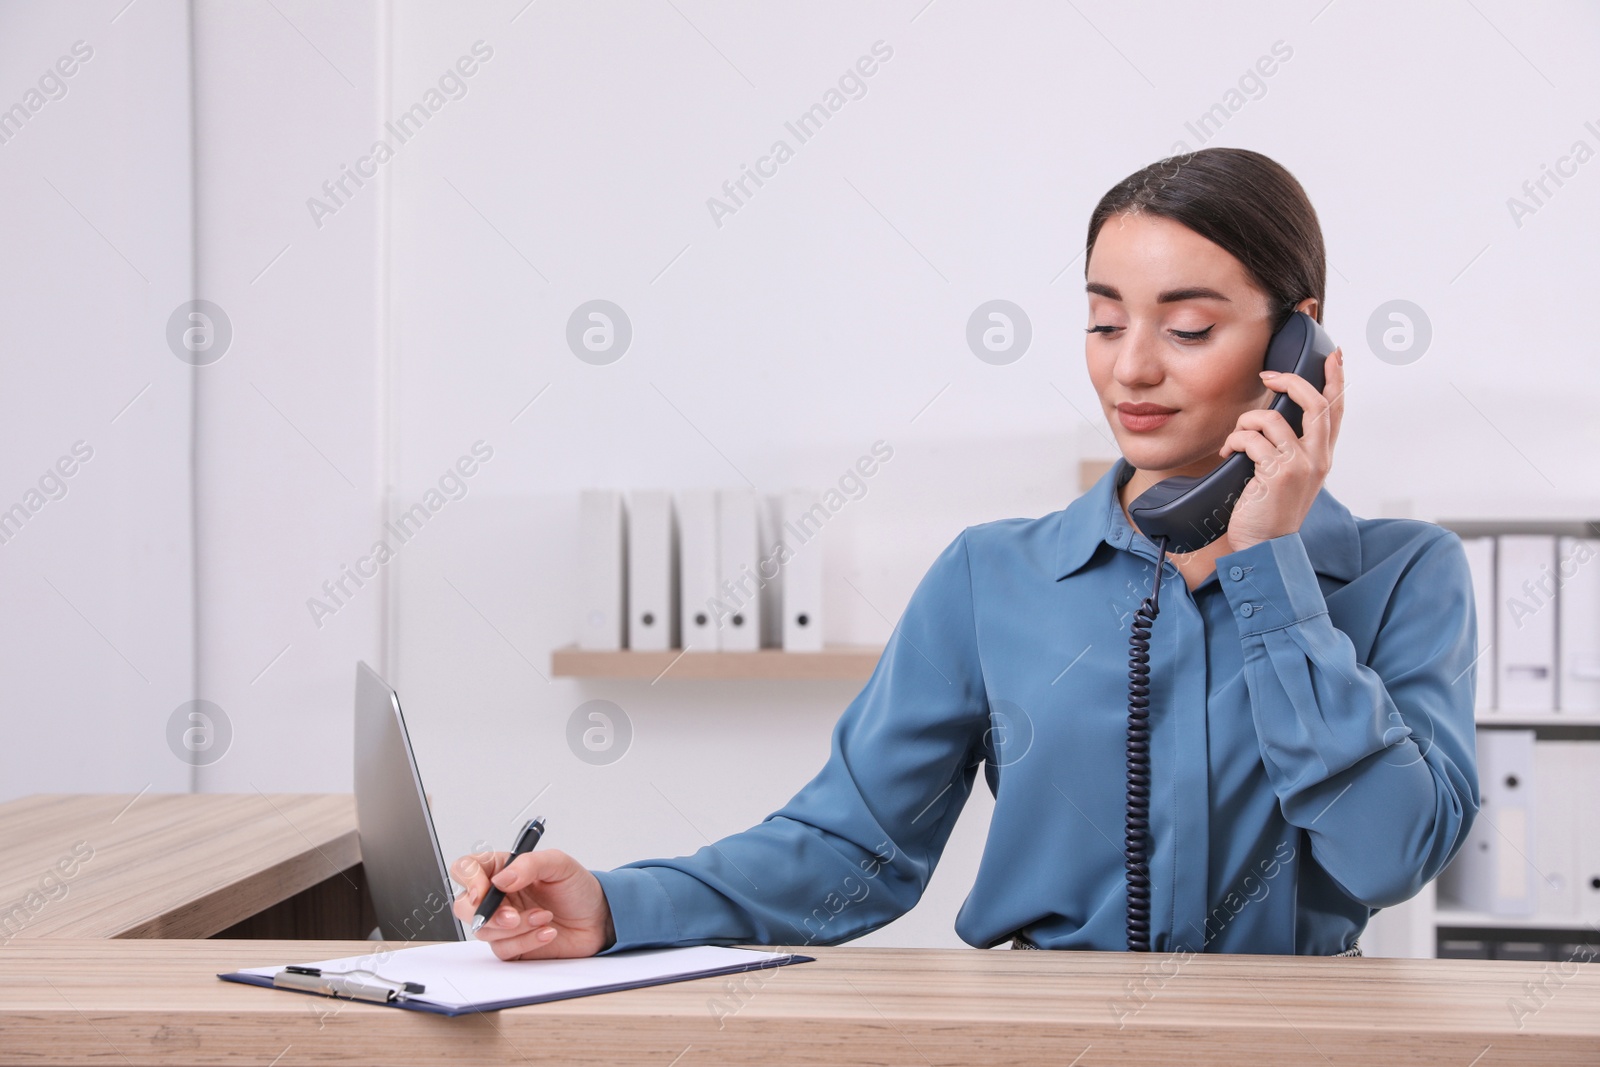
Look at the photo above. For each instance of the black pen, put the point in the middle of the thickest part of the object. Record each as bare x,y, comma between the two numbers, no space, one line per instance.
526,840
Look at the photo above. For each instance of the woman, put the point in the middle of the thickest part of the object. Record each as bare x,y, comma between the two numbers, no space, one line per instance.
1311,674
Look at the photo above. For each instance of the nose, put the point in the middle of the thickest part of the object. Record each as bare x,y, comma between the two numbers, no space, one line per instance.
1139,360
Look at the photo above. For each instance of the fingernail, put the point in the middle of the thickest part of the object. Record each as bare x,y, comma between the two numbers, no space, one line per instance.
1340,354
1269,374
547,933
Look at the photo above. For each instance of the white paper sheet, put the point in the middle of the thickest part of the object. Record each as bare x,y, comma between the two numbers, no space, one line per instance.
463,974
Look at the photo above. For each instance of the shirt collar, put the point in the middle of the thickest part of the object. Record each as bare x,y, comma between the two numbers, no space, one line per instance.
1329,533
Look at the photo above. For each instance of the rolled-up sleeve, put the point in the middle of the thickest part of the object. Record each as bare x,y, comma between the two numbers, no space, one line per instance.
1375,760
854,849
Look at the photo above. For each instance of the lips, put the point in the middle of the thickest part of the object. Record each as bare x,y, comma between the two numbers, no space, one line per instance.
1140,417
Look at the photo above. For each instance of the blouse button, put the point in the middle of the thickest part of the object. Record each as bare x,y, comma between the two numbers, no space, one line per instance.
1247,610
1236,573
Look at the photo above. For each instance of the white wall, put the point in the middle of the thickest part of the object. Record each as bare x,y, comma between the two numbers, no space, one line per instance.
96,633
288,457
826,313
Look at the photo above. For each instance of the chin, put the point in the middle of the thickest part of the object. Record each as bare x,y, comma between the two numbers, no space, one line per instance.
1149,455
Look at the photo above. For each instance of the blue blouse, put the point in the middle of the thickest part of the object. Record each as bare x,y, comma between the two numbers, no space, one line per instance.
1312,747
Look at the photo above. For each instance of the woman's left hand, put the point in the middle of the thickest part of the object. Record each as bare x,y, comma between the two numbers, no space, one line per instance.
1290,470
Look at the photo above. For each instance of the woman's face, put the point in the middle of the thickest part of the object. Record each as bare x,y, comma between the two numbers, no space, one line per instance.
1175,324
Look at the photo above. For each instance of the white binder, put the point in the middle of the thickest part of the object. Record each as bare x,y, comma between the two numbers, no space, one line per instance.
1494,872
1480,560
769,565
603,563
738,612
1526,628
652,571
1578,601
697,569
1561,781
802,572
1584,810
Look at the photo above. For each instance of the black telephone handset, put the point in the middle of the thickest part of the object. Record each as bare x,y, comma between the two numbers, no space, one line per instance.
1184,514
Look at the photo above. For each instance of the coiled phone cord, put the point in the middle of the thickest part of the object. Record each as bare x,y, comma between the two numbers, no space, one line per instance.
1136,834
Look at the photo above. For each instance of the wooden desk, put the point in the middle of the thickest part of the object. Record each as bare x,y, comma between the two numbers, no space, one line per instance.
148,1002
181,865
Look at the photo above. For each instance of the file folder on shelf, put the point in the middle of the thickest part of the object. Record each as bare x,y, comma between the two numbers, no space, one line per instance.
1526,624
802,573
1578,656
652,572
1561,773
769,567
739,589
466,977
1585,812
602,552
697,570
1480,560
1494,872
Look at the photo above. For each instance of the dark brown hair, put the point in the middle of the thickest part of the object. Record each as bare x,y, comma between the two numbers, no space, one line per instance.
1242,201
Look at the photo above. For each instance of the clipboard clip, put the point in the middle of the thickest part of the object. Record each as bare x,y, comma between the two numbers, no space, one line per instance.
356,984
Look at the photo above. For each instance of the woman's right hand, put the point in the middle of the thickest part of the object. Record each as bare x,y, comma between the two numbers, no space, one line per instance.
554,907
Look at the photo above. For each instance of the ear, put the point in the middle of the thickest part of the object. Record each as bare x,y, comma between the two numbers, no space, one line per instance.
1309,306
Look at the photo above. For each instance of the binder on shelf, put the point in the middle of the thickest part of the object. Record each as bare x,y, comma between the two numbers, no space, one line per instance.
1480,560
1584,805
802,572
1560,783
652,571
1493,872
1526,624
738,612
602,552
1578,626
769,566
697,570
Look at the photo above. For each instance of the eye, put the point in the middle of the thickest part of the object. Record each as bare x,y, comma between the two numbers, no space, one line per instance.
1103,329
1194,335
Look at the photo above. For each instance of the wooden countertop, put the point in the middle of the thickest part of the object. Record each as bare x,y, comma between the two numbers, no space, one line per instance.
65,1001
162,864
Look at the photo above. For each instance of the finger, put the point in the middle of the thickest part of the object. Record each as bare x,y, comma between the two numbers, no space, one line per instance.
1300,391
1335,390
1262,452
529,869
472,872
528,944
495,930
1265,448
1272,424
508,922
1313,404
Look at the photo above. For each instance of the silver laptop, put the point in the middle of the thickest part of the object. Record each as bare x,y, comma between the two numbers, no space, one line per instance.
405,869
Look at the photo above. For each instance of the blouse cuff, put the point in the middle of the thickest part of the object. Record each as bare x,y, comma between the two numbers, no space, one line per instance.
641,911
1271,585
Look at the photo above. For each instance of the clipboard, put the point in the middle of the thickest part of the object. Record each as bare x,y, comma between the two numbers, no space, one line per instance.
466,977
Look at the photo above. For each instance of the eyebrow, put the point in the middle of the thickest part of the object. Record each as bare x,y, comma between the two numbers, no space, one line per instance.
1171,296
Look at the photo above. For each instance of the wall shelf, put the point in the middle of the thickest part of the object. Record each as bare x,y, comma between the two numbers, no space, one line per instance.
1543,720
1461,919
835,663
